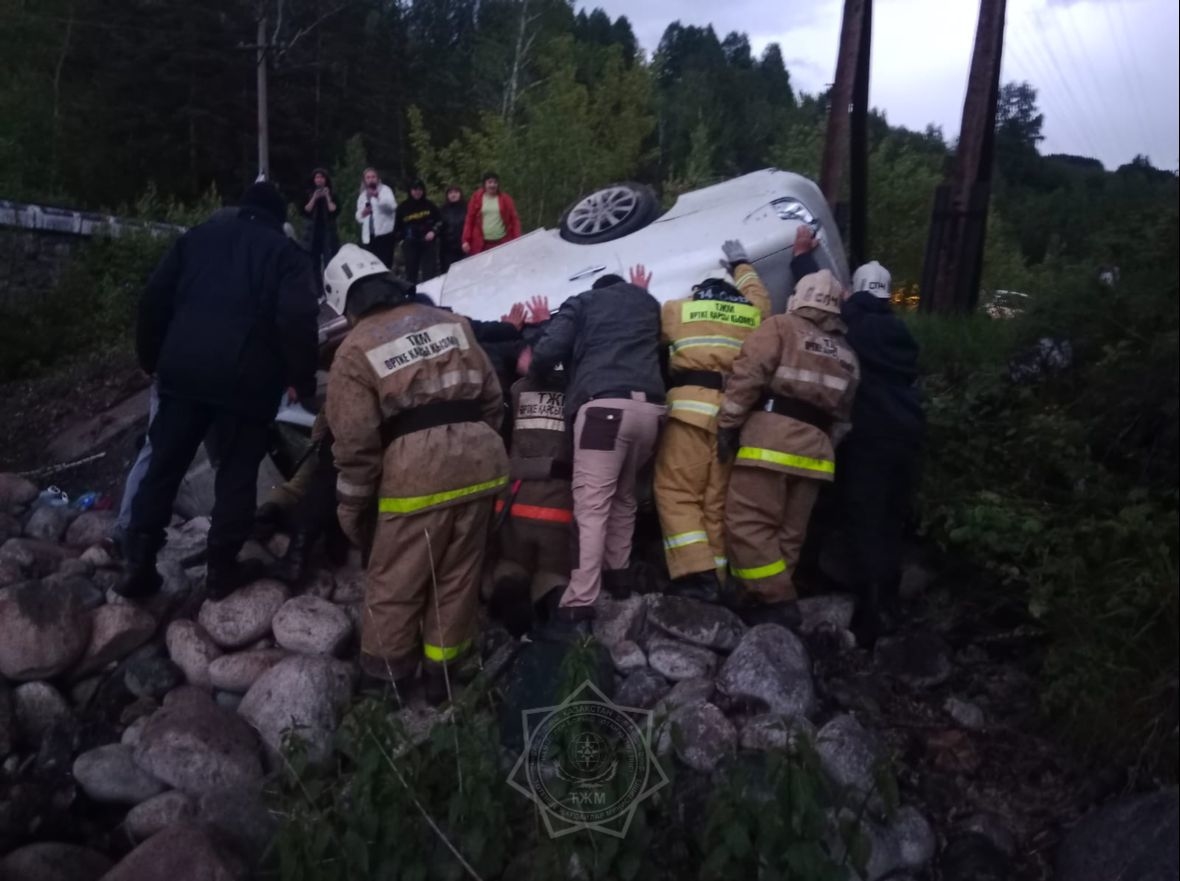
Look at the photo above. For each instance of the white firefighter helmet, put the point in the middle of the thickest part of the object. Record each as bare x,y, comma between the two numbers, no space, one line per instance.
819,290
350,265
874,278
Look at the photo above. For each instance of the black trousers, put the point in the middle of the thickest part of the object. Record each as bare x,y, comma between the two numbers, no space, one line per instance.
175,433
420,258
449,254
875,478
382,247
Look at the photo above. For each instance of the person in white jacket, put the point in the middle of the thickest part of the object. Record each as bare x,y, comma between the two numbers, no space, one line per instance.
375,210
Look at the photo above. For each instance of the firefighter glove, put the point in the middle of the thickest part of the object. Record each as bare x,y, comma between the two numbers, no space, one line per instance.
735,253
728,441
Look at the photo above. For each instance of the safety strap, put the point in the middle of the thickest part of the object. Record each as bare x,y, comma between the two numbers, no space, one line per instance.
789,460
800,410
430,416
537,512
757,573
704,378
412,504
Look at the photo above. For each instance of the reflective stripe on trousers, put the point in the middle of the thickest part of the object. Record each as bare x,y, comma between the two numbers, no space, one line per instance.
755,573
411,504
789,460
440,654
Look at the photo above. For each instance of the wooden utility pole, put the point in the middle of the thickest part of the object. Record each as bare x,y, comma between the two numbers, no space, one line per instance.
261,63
954,250
850,89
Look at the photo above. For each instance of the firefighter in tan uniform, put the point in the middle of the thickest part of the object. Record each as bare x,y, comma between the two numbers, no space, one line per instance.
704,334
792,386
414,406
535,532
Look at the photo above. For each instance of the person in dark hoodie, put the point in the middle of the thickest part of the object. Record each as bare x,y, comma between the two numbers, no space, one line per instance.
454,216
416,226
319,233
226,324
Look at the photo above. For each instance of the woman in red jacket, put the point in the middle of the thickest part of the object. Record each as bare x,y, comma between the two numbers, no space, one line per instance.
491,217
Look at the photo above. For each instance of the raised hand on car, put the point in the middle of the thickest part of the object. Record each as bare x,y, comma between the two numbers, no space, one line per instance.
515,315
805,240
640,277
735,253
539,310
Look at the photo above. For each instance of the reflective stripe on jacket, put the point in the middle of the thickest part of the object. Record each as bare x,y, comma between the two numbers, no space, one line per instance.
708,335
541,452
395,360
794,357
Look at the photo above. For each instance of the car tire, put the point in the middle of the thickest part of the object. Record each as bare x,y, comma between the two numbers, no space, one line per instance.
609,213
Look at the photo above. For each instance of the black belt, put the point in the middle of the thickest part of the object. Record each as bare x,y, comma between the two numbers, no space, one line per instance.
628,395
703,378
797,409
430,416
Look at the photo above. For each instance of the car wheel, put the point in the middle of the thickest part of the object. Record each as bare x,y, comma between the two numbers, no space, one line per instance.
609,213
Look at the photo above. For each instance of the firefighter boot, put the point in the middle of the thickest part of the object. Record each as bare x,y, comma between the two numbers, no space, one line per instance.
142,579
702,586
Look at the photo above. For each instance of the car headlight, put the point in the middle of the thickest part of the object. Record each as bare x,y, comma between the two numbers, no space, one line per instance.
792,209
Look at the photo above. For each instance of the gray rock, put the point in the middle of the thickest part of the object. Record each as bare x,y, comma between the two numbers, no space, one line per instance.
151,676
8,730
241,820
237,672
304,695
695,622
833,610
687,693
97,557
701,736
192,650
149,817
310,625
628,657
885,854
920,660
243,616
48,524
618,620
642,689
115,632
184,851
38,558
54,861
851,756
185,541
43,632
992,827
133,733
350,586
229,700
9,527
318,583
86,590
915,839
15,492
965,713
74,567
770,670
90,528
10,574
1134,838
38,706
197,747
770,731
109,774
679,660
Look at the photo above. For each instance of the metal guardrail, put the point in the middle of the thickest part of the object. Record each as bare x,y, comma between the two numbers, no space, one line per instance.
42,218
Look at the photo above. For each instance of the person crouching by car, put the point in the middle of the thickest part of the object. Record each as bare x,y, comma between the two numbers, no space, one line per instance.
454,217
491,217
416,227
415,408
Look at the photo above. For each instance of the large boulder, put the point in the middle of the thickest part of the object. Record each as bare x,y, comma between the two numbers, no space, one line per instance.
303,695
241,820
149,817
245,615
181,852
15,491
678,660
641,689
53,861
772,732
237,672
192,650
38,558
197,747
44,630
109,774
310,625
832,610
1135,838
90,528
628,657
115,632
48,524
769,670
701,736
9,527
618,620
692,621
851,756
38,706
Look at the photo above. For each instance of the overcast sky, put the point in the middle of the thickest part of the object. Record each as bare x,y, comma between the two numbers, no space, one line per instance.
1106,70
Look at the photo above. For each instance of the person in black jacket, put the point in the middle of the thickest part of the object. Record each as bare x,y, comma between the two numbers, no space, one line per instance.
416,226
454,216
227,322
319,233
608,340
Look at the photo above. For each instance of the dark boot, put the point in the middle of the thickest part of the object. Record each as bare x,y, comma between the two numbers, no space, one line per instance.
618,583
511,604
569,624
702,586
785,614
546,607
873,616
441,683
142,579
293,566
225,573
268,520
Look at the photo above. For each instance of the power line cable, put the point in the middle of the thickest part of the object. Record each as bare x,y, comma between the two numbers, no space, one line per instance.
1095,80
1130,66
